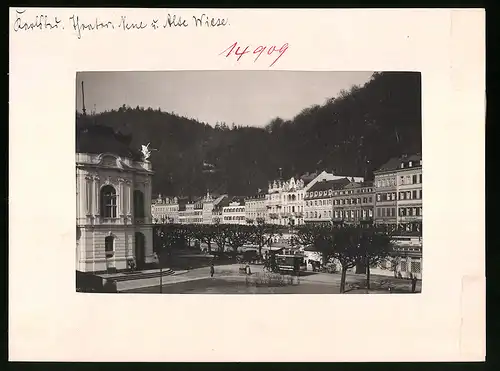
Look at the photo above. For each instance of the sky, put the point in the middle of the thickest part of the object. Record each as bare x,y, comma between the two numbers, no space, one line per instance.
246,98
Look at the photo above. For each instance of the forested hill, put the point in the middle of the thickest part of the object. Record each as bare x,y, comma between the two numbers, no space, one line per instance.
350,134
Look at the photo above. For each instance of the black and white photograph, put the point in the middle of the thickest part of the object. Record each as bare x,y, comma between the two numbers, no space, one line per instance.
249,182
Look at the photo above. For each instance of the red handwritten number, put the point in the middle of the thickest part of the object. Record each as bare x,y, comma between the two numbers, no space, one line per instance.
240,52
260,50
282,51
230,50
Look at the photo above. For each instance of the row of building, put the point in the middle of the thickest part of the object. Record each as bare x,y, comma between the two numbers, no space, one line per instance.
115,210
393,197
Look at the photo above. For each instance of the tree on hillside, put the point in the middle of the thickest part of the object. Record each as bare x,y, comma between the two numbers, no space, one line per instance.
262,233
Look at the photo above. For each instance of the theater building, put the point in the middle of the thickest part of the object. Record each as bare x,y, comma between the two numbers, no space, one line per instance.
113,202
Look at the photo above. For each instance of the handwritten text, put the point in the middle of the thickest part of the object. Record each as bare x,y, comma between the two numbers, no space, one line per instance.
239,51
41,22
81,25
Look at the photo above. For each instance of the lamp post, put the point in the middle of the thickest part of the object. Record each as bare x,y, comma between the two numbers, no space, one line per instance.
157,257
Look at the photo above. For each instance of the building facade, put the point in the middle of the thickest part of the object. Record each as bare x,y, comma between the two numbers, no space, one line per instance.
191,213
113,202
255,208
386,190
319,200
410,193
234,213
207,209
285,202
165,210
354,203
398,187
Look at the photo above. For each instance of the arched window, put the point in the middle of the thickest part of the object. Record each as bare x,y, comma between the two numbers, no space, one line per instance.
109,246
108,202
138,204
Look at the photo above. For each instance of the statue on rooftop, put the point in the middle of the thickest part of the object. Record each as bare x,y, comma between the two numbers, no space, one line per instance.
146,151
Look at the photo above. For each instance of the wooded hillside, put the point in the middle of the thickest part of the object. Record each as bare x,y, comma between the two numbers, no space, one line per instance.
351,134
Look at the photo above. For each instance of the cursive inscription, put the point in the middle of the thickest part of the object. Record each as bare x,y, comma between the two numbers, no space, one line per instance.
126,25
84,25
206,21
173,21
41,22
96,25
236,50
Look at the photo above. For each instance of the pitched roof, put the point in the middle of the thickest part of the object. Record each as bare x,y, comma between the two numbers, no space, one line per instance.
395,162
329,184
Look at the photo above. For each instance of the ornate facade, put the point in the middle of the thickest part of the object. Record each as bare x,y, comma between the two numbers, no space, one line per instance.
113,212
165,210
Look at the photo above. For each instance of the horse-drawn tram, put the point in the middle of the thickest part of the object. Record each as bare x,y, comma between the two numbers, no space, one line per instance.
291,261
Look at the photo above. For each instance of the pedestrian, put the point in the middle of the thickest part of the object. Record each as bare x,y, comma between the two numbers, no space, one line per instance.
414,283
212,270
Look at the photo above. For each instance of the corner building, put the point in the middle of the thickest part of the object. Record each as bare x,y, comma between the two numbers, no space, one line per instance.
113,202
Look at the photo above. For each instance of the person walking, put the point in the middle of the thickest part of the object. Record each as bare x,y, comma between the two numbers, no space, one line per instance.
212,270
414,283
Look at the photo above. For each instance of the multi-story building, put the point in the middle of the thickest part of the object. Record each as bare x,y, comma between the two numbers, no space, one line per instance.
398,186
386,190
113,202
191,213
219,205
255,208
234,213
285,202
409,190
274,202
354,202
405,175
293,202
208,206
319,200
165,210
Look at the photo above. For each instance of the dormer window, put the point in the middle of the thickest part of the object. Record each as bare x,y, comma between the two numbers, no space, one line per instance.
410,164
402,165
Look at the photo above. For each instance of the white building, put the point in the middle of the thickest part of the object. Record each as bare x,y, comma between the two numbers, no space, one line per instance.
234,213
319,200
165,210
255,208
191,213
285,201
113,198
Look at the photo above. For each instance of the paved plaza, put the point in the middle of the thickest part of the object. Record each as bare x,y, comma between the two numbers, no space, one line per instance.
229,280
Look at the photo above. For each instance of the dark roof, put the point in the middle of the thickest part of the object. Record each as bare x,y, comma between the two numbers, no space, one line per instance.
359,184
308,177
368,183
395,162
326,185
224,202
97,139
